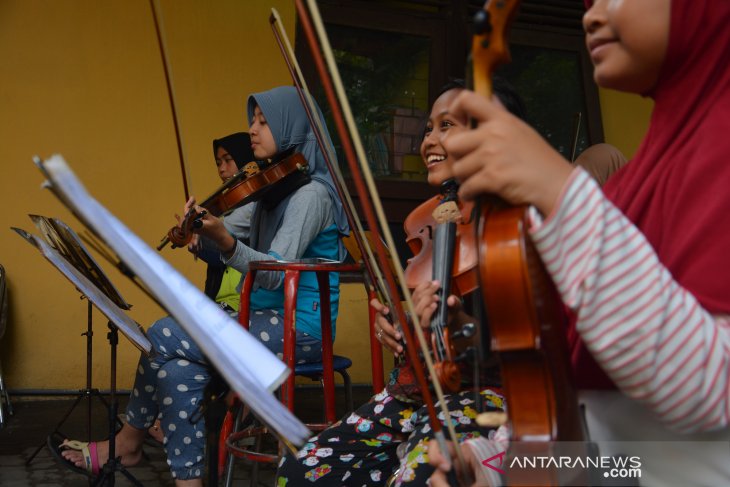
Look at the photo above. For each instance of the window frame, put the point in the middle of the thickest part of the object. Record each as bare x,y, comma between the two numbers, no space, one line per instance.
551,24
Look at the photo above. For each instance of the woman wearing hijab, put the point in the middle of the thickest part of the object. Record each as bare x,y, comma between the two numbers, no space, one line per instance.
601,161
306,222
231,154
644,262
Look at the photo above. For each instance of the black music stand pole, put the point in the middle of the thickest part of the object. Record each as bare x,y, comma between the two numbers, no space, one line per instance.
87,393
114,463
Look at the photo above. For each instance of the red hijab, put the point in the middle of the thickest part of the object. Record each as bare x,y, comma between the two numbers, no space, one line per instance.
676,190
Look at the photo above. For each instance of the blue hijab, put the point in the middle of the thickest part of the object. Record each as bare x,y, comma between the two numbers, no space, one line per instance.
291,129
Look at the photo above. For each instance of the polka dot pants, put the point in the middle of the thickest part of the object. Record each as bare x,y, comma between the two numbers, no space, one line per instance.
171,384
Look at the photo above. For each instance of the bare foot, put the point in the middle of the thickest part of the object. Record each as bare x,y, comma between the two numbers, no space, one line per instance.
128,446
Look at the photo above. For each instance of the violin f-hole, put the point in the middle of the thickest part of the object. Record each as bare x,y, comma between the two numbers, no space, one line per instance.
428,229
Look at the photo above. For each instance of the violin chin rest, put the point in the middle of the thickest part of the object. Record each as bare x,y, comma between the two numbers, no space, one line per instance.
492,419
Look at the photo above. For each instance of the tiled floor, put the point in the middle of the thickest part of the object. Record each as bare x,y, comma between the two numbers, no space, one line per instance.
35,418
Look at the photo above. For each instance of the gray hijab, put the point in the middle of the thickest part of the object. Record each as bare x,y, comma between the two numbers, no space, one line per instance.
290,128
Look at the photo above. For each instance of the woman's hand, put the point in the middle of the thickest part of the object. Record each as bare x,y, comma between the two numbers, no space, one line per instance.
209,226
504,156
194,244
385,331
425,303
436,459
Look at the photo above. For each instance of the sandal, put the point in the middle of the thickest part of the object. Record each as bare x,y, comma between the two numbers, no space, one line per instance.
57,443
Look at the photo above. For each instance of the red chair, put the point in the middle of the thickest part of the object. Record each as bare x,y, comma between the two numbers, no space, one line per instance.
230,437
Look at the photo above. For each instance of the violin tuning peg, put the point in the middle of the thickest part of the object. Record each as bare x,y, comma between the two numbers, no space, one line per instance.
482,22
466,331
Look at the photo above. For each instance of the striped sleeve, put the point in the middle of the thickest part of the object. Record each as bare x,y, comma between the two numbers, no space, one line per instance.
649,334
489,451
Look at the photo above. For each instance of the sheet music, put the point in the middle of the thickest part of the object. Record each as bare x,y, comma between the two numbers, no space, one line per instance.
250,368
124,323
65,241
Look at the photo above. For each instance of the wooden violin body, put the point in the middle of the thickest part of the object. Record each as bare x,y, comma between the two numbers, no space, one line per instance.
527,328
244,187
422,229
527,333
420,226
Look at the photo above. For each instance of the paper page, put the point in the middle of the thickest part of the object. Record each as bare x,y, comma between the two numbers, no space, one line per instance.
250,368
124,323
64,240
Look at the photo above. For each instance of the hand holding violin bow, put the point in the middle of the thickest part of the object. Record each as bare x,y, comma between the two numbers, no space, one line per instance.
246,186
198,221
425,300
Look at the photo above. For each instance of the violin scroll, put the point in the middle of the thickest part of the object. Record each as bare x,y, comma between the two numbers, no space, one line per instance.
181,235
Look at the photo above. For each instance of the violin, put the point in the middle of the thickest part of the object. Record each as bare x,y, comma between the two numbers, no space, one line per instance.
420,226
441,233
248,185
525,319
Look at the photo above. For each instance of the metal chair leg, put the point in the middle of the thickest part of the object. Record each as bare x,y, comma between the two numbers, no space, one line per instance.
4,400
231,458
348,389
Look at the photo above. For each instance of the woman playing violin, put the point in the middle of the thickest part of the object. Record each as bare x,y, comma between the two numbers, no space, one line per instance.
306,222
361,449
231,153
643,262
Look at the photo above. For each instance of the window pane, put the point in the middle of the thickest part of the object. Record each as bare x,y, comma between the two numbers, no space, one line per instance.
550,83
386,78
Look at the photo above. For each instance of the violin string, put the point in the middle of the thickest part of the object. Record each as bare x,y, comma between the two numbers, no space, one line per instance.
375,200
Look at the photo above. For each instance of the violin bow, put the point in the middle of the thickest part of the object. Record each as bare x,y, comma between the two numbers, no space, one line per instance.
314,32
375,278
159,29
574,144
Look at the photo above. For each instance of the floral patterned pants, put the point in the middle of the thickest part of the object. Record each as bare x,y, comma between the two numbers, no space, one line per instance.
365,447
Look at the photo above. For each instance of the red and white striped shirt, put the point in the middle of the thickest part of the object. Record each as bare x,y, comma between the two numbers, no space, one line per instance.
650,335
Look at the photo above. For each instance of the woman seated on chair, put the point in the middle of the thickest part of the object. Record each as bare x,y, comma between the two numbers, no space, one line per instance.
301,221
392,429
232,154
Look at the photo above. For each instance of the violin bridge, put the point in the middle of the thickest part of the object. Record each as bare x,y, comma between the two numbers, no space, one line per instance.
447,212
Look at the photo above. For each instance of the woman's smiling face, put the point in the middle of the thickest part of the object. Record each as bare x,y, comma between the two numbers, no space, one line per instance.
440,122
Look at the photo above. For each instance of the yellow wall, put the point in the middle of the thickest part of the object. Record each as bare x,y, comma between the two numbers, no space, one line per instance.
625,119
84,78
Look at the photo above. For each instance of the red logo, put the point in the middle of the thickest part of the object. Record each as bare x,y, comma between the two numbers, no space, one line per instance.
500,456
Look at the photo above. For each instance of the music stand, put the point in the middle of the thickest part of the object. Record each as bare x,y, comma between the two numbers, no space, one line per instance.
251,369
118,320
64,240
